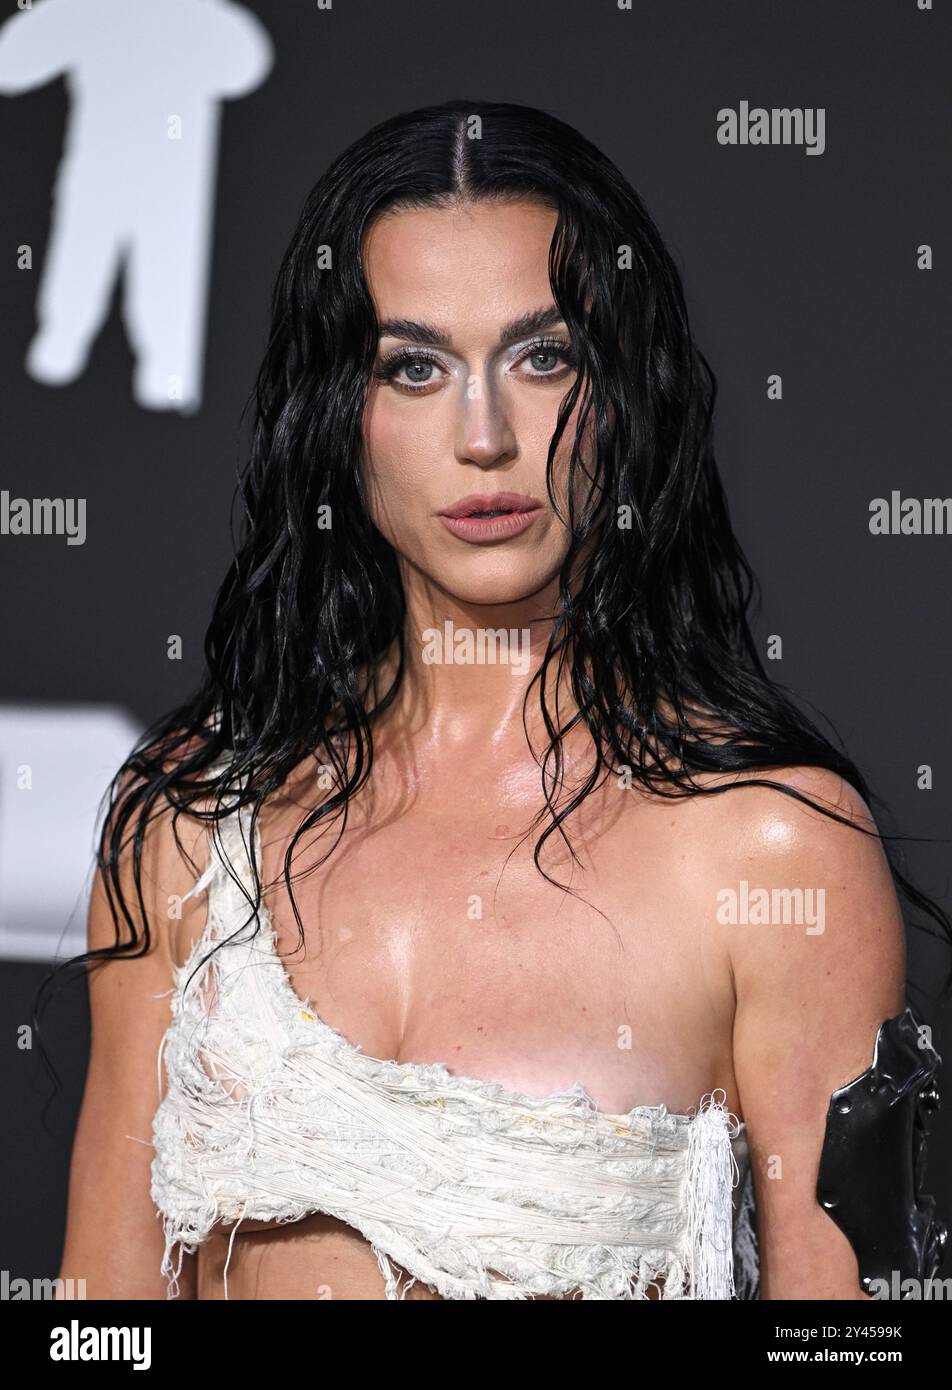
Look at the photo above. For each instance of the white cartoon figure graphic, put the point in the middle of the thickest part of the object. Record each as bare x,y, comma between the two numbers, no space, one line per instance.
56,761
136,184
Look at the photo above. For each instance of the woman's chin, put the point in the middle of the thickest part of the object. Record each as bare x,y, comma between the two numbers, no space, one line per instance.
491,590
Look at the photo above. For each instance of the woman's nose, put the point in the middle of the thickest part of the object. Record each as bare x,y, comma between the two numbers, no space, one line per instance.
485,432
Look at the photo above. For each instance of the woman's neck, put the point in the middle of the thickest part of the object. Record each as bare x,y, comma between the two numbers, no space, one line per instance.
469,667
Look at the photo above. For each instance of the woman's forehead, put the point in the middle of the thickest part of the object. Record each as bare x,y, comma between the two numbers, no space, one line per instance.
455,260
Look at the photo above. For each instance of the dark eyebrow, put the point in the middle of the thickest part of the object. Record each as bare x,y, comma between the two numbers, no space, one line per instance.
535,321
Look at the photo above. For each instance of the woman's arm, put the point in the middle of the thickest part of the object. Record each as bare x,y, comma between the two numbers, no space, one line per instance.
114,1238
809,1006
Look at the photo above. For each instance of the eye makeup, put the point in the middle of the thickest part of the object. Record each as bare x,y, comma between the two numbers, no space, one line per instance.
409,358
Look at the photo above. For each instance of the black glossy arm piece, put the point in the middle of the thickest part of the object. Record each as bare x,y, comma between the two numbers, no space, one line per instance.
872,1168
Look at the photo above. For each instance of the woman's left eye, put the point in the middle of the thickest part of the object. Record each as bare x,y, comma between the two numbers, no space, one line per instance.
547,359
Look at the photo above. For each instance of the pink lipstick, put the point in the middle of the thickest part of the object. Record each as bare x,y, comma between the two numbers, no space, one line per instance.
491,516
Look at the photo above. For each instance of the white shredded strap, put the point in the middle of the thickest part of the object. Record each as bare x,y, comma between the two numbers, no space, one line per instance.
471,1188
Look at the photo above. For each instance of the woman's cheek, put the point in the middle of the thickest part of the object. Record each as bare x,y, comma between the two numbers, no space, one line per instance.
396,479
385,450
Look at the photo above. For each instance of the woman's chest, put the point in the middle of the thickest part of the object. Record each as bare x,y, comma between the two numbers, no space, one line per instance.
432,936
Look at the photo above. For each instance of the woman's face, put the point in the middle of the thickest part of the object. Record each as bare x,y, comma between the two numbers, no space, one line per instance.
472,364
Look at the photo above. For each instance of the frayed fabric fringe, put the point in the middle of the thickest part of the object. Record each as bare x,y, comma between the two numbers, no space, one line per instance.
712,1174
703,1270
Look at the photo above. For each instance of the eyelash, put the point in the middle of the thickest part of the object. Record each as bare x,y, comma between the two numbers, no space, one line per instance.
391,364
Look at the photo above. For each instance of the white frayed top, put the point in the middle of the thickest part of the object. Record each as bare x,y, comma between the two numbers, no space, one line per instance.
478,1191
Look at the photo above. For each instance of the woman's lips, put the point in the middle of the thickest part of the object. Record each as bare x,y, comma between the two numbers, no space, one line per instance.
480,529
516,511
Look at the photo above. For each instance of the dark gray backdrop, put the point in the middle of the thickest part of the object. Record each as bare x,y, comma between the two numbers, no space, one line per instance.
795,264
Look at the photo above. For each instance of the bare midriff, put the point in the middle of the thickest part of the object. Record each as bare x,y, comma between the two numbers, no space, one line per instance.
317,1257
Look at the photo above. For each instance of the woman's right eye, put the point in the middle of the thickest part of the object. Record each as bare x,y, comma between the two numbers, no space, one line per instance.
408,371
418,370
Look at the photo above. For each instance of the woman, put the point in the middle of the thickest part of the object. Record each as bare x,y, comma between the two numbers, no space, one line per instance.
428,895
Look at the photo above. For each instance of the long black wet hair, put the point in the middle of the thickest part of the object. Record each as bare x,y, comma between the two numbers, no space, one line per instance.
654,639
